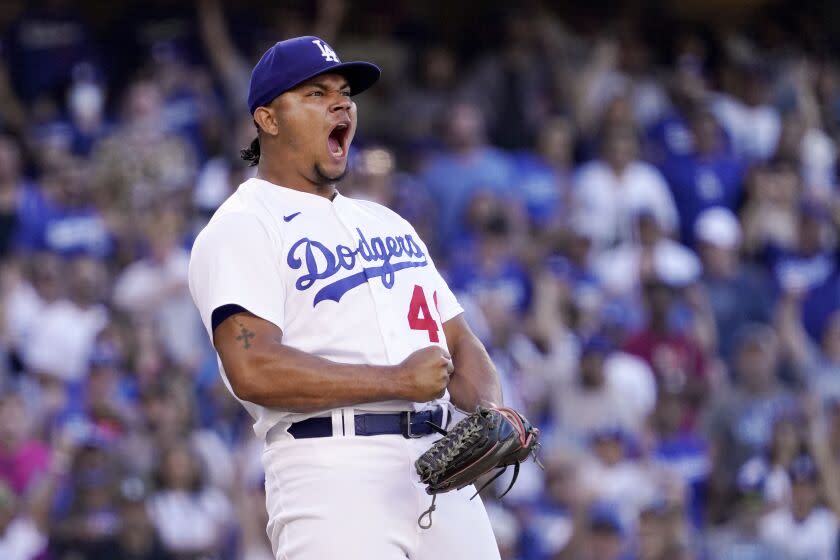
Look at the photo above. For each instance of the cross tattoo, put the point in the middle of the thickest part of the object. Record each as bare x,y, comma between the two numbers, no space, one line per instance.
245,337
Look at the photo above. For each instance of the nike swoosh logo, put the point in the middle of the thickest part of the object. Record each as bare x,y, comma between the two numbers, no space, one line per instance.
290,217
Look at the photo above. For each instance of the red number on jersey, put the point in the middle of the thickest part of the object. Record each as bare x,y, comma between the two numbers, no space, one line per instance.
419,317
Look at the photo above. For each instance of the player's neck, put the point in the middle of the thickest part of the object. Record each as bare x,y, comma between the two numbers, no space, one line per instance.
294,180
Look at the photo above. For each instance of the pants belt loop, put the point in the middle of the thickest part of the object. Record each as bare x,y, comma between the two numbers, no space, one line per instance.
349,421
446,409
337,423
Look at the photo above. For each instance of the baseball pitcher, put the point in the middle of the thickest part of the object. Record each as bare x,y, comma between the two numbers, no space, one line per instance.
336,332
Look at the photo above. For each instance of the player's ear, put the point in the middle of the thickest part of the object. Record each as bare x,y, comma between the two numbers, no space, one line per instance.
266,120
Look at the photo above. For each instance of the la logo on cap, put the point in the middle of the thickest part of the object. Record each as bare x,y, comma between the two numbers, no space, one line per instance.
326,51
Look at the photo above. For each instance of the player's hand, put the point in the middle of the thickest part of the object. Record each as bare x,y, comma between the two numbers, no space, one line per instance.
424,375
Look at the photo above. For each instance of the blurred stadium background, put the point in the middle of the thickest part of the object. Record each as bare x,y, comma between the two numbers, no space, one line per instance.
636,203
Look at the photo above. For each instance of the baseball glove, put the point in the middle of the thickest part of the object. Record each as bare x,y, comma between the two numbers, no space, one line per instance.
487,439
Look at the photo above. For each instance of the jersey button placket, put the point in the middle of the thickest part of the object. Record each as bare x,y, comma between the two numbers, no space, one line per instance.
373,285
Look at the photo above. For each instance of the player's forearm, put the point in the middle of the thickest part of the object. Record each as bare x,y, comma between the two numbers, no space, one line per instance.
475,380
263,370
279,376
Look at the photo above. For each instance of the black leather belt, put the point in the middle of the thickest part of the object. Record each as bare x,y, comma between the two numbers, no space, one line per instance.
408,424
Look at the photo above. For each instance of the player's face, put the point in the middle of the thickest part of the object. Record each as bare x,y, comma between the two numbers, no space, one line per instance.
318,122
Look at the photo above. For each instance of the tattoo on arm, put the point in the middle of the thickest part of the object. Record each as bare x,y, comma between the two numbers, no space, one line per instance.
245,335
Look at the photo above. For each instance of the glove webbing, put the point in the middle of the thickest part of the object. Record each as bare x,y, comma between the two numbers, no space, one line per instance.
444,454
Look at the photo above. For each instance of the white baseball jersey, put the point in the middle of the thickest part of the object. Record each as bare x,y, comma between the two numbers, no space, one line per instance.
813,538
344,279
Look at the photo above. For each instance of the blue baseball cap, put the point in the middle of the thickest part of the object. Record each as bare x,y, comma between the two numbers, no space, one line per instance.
293,61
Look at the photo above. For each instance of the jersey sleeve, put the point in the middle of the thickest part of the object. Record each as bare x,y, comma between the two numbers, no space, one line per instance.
447,303
235,262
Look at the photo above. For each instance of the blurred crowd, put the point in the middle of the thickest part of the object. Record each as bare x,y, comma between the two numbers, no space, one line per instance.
646,243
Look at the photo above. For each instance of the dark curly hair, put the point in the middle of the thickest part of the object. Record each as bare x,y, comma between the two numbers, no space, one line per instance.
252,152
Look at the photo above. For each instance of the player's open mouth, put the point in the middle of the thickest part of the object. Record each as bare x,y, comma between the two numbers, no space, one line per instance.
337,138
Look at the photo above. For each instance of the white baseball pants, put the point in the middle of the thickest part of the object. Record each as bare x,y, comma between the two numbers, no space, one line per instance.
359,497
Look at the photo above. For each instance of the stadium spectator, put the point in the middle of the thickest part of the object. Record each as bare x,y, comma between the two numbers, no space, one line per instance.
705,176
417,114
772,466
740,420
189,108
168,413
595,398
804,528
155,288
619,70
811,149
746,112
20,538
647,255
20,200
25,520
141,163
815,364
29,286
469,165
618,185
487,261
136,537
681,452
671,135
67,222
726,277
604,535
551,528
740,535
86,107
62,336
23,458
770,214
377,169
662,533
192,517
85,509
514,77
107,393
220,175
808,270
544,177
617,478
677,360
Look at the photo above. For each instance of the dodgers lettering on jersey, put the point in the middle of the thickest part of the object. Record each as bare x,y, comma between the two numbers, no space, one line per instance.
346,280
322,263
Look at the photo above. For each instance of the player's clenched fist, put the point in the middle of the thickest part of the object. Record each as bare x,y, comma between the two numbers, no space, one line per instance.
424,375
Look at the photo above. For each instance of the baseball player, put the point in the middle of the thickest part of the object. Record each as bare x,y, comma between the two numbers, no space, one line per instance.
336,332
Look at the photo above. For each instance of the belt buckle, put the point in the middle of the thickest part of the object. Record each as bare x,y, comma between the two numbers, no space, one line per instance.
406,427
